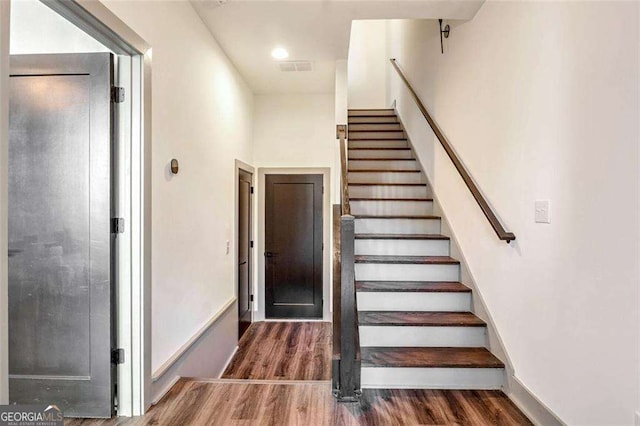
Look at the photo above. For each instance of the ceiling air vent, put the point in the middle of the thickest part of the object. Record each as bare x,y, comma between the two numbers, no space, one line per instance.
296,66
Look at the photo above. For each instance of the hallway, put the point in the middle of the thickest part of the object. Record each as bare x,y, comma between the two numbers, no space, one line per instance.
280,376
283,351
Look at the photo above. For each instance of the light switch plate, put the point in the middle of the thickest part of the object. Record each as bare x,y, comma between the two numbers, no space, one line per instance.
543,211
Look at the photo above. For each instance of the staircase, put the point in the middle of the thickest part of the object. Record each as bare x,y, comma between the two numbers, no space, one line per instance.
416,325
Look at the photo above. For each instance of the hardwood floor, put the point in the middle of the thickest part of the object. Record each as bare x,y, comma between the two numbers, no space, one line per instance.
280,376
283,351
219,402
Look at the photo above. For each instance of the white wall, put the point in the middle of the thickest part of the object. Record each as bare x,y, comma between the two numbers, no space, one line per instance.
367,70
296,131
4,144
35,28
540,99
202,115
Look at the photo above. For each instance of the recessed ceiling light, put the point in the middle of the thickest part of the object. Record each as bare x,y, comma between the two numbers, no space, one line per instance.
279,53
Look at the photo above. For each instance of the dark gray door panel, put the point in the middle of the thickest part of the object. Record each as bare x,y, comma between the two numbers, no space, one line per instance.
61,281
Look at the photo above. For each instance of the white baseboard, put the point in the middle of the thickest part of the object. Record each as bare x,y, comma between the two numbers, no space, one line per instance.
531,406
226,364
206,353
164,390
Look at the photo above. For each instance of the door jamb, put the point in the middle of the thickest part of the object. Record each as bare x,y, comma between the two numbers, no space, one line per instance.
240,165
134,277
259,267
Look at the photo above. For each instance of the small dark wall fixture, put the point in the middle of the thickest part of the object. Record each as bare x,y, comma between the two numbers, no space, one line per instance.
444,32
174,166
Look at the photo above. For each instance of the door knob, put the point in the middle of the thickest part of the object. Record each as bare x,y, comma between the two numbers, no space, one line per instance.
269,254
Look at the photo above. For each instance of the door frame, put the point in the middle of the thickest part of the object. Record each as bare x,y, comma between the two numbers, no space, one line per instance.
134,189
259,264
240,165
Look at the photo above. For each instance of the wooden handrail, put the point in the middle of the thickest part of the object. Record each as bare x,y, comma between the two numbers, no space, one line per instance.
342,135
464,173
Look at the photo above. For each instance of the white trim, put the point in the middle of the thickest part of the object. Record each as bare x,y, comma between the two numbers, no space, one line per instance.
241,165
157,375
226,364
5,14
259,300
537,411
257,381
166,389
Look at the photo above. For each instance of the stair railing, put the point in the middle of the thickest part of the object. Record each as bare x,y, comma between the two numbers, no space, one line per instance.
502,233
346,339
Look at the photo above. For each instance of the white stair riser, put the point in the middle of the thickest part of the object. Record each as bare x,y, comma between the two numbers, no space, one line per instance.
413,301
397,226
380,153
376,135
379,144
405,208
383,165
418,336
432,378
380,119
402,247
371,191
354,127
410,272
369,112
386,177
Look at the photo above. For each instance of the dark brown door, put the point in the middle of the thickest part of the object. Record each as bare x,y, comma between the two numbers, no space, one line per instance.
244,252
293,254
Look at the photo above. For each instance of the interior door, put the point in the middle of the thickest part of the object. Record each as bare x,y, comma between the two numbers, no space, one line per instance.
61,264
293,238
244,252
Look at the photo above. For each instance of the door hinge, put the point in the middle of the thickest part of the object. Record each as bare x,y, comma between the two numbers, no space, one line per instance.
251,244
117,225
117,94
251,298
117,356
252,189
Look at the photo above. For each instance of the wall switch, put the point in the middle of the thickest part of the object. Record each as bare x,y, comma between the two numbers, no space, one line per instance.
543,211
228,247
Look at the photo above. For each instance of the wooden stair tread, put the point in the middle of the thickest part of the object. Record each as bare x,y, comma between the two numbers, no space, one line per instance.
368,216
383,171
382,159
377,139
386,184
424,319
401,237
429,357
388,199
407,260
412,286
378,149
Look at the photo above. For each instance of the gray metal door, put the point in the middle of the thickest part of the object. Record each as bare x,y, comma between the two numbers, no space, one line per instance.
61,280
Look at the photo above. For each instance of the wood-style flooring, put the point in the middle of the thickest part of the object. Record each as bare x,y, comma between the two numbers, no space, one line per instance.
192,402
283,351
280,376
